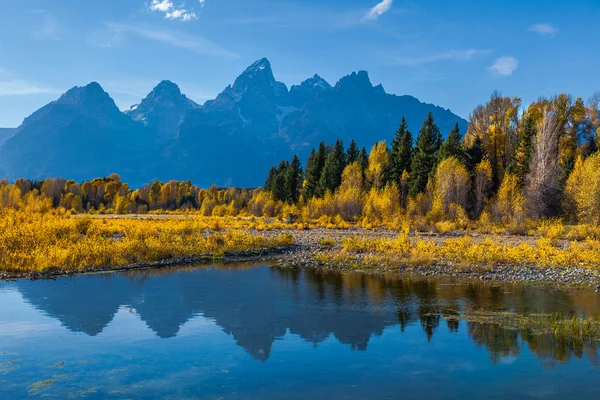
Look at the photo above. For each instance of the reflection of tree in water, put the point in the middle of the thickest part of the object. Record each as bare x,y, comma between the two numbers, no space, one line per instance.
552,350
499,342
451,315
256,306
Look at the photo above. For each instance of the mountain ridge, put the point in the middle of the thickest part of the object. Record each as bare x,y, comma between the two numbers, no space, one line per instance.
230,140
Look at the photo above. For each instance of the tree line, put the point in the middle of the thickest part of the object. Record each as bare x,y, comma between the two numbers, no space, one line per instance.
512,164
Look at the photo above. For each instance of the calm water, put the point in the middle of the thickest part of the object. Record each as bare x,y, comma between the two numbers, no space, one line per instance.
267,333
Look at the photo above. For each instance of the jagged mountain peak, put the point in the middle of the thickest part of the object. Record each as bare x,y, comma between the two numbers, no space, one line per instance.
165,94
316,81
356,80
259,65
163,110
257,75
166,87
90,94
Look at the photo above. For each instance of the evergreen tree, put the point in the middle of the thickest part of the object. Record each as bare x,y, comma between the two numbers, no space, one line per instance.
331,176
424,157
475,155
276,181
363,160
352,153
278,191
270,179
452,147
522,157
592,145
314,169
400,157
293,180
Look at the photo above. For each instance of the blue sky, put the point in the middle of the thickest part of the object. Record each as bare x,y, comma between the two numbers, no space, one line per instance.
451,53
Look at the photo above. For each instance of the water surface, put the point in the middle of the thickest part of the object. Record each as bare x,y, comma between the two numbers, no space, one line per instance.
260,332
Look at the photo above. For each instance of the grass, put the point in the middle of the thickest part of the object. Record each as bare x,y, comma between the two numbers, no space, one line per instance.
327,242
37,242
32,241
584,330
465,251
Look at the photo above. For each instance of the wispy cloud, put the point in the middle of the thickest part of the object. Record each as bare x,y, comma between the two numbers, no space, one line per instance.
49,28
504,66
286,15
170,11
544,29
193,43
450,55
11,85
378,10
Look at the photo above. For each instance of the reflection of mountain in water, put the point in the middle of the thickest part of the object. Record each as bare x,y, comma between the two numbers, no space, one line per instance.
83,304
256,306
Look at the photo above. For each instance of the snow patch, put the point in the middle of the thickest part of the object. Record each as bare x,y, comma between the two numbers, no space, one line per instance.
244,120
283,111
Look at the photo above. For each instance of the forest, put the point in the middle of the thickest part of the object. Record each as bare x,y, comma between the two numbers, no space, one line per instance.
513,168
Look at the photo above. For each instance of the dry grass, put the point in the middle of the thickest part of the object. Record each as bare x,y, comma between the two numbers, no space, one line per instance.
36,242
545,252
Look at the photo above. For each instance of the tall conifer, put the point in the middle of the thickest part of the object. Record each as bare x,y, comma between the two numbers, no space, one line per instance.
401,154
425,155
314,168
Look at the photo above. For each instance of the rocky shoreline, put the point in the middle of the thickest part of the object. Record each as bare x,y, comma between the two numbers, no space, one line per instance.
500,273
311,252
259,255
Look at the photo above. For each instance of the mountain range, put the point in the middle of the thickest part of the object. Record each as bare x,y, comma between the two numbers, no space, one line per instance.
229,141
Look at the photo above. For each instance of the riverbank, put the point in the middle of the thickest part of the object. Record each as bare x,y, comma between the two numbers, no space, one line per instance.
166,243
467,255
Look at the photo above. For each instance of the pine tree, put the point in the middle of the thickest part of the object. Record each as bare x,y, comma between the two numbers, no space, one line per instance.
452,147
352,153
522,157
279,187
293,179
331,177
475,154
270,179
277,184
314,169
424,157
592,147
363,160
401,154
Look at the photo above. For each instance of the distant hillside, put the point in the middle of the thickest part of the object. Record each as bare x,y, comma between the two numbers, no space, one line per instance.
5,133
231,140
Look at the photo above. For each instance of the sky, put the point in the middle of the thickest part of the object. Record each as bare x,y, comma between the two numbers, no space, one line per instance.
453,53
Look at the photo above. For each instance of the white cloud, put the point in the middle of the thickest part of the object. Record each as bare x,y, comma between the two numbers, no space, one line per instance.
11,85
450,55
378,10
171,12
193,43
544,29
49,29
504,66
